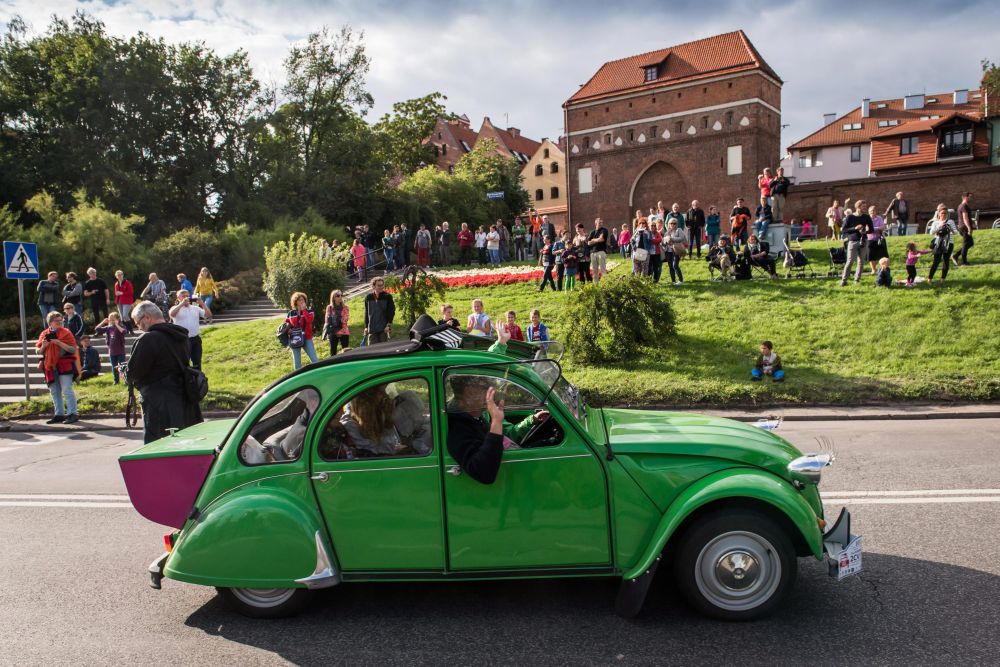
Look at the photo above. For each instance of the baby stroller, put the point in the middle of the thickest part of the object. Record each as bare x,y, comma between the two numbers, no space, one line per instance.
838,258
796,261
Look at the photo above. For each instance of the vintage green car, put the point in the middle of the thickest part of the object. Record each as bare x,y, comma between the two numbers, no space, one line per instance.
343,472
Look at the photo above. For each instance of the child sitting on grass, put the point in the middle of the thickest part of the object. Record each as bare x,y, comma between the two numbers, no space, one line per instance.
511,326
478,322
537,332
768,363
883,277
912,257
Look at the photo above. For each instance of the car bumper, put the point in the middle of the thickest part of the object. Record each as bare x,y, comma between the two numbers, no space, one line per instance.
156,570
843,548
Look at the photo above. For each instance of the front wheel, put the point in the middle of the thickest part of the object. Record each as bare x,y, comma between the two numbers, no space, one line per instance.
266,602
736,565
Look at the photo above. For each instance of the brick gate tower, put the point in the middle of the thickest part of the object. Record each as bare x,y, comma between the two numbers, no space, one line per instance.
693,121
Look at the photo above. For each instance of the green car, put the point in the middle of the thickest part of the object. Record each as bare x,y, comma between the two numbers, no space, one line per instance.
393,462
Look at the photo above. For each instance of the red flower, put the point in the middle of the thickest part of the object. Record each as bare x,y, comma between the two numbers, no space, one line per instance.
488,279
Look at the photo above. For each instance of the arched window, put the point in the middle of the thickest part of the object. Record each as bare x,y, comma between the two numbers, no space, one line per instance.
586,143
554,168
545,153
554,193
539,195
539,170
607,138
444,149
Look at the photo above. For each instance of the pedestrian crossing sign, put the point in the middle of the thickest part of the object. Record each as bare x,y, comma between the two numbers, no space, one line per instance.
20,260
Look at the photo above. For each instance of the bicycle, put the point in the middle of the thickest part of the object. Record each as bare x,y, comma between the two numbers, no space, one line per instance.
133,408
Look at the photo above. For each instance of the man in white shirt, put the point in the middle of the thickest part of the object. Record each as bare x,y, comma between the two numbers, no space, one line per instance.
188,314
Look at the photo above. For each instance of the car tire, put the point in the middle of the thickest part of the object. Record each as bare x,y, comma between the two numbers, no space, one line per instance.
266,602
737,565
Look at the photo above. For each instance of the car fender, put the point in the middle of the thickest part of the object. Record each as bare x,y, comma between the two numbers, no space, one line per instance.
263,534
733,483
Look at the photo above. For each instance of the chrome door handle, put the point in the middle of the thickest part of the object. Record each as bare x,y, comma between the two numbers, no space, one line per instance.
320,477
454,471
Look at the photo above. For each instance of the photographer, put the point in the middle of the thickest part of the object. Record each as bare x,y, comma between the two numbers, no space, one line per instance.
61,364
156,368
942,230
188,314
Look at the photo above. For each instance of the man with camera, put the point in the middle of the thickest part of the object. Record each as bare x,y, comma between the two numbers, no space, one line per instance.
156,367
188,313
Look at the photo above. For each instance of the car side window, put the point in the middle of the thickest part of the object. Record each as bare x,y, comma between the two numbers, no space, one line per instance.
383,420
466,393
279,434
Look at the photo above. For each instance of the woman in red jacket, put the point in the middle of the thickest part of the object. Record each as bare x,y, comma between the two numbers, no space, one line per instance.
300,330
124,298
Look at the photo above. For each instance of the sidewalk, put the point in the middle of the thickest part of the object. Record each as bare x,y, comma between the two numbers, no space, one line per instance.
106,422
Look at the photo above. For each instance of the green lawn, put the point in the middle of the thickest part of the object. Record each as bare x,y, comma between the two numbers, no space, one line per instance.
850,345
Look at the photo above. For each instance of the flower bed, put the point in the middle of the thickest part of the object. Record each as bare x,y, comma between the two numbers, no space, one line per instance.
487,277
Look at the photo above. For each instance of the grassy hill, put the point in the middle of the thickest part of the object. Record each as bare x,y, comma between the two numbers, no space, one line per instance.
839,345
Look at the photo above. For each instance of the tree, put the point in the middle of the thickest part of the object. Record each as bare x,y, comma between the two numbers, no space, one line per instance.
406,131
490,171
449,197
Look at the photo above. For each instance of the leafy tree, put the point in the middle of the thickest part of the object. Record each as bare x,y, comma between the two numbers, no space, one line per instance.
489,171
991,82
450,198
406,130
415,291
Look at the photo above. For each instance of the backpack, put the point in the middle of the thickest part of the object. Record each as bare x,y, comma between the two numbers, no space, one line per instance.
193,381
334,321
282,334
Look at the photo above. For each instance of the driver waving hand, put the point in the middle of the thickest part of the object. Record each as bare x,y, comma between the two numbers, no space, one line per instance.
477,432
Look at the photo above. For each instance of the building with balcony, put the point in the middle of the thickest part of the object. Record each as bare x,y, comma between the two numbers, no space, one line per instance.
906,135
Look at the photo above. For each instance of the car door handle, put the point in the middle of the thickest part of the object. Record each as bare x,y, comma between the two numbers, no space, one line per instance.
320,477
454,471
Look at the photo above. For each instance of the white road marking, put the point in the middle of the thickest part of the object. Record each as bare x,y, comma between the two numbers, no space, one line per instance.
925,492
912,500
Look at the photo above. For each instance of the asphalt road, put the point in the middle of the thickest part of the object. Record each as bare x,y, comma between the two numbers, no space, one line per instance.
73,587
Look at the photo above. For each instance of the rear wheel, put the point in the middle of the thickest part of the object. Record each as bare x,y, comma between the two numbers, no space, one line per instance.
266,602
736,566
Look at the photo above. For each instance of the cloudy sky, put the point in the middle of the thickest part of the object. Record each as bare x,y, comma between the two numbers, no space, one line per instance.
518,60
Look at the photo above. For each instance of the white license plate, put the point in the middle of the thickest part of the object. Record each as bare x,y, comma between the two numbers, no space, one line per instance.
849,559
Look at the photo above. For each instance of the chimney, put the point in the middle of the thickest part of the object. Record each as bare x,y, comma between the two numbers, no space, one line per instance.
866,108
829,118
913,102
514,131
962,96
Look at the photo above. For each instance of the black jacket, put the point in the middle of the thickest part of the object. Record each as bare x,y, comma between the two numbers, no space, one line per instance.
379,312
696,217
857,228
90,360
154,370
477,450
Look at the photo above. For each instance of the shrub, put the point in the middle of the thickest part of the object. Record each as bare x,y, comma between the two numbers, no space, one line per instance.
186,251
294,266
607,321
415,291
242,287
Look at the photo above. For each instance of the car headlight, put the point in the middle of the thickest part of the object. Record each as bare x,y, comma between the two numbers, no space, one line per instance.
809,468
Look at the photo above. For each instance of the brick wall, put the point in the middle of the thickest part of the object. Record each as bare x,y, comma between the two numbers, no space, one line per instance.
923,192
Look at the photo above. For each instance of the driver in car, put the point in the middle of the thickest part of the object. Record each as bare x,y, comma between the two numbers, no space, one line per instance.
477,432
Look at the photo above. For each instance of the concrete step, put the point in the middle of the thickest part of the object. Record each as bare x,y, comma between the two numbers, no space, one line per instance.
36,377
15,392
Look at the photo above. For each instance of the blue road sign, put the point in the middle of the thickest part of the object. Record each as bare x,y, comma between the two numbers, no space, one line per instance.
495,195
20,260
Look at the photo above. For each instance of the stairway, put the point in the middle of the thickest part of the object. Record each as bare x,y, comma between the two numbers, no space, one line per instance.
12,369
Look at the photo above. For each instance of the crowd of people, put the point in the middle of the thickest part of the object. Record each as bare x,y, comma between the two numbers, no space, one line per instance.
69,310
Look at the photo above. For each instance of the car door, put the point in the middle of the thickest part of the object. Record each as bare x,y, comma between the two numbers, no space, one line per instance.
547,508
381,496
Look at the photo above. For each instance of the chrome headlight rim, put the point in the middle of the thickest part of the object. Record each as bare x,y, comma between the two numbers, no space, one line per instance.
808,468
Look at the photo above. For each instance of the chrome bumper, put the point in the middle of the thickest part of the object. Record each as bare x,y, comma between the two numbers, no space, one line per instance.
156,570
843,549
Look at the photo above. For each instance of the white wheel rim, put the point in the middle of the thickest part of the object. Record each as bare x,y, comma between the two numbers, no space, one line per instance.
263,598
738,571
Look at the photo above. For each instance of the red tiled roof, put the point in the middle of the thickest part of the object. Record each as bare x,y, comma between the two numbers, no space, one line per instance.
722,54
834,134
463,132
919,126
519,143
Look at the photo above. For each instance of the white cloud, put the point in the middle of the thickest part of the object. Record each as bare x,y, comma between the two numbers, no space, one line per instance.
524,59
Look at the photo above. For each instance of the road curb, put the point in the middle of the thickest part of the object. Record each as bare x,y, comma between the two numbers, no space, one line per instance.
902,413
